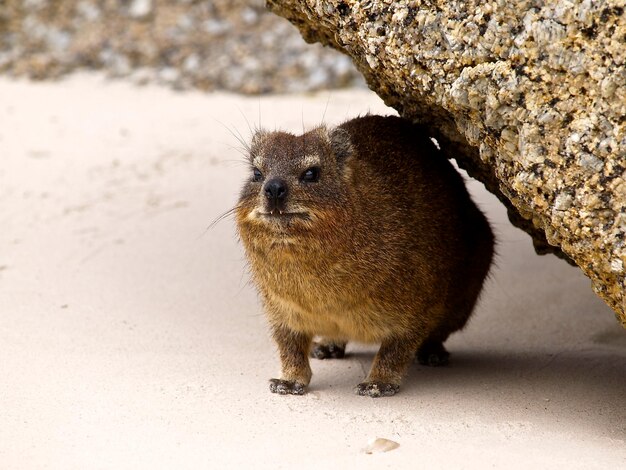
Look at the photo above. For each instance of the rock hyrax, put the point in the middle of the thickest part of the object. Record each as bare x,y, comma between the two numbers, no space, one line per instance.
361,233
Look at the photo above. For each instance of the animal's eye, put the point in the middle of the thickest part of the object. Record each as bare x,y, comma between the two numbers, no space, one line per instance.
257,175
310,175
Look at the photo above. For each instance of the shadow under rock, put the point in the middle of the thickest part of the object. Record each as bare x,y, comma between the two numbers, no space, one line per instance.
584,388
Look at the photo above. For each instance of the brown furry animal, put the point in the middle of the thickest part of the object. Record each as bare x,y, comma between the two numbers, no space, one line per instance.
362,232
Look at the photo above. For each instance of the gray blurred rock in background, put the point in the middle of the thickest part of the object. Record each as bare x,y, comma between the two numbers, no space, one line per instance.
233,45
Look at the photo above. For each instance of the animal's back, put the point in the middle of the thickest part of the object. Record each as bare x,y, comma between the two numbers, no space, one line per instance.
436,245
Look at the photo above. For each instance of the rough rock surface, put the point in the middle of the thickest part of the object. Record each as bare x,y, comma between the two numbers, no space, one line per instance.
529,97
234,45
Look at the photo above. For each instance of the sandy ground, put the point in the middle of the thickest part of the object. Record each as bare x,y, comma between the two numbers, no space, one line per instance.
131,338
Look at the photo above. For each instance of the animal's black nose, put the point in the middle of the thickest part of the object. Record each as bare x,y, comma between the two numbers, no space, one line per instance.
276,193
276,189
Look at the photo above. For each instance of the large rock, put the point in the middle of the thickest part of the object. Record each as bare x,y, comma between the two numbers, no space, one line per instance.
528,96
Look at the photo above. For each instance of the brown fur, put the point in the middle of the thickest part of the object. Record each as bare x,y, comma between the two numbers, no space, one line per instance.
387,247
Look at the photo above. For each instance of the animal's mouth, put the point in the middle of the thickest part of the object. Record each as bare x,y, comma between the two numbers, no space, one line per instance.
283,222
277,215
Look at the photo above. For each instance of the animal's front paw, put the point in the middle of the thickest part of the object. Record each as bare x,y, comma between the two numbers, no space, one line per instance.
287,387
377,389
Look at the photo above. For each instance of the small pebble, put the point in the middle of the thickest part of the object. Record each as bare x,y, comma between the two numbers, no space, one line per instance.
380,444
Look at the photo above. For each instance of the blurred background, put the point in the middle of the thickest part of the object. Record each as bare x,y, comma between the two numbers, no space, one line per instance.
233,45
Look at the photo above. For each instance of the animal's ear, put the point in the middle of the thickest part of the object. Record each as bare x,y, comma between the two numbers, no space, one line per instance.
257,139
341,144
257,142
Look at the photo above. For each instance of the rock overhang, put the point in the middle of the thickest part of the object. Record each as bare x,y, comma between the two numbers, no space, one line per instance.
529,97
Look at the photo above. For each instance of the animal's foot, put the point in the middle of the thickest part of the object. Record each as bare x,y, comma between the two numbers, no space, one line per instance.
287,387
377,389
328,350
433,354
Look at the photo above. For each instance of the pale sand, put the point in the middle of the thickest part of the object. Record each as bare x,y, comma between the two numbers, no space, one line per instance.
130,338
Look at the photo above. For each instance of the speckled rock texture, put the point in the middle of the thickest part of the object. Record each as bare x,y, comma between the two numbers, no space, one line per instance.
234,45
528,96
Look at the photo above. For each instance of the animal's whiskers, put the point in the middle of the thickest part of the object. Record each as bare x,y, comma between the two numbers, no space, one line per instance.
220,217
236,135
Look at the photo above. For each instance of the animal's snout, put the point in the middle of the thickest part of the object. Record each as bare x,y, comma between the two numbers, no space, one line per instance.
276,193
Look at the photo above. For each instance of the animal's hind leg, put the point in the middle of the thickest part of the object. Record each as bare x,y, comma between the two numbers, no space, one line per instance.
433,353
328,349
463,296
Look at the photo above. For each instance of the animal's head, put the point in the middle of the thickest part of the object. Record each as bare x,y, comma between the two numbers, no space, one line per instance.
295,182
